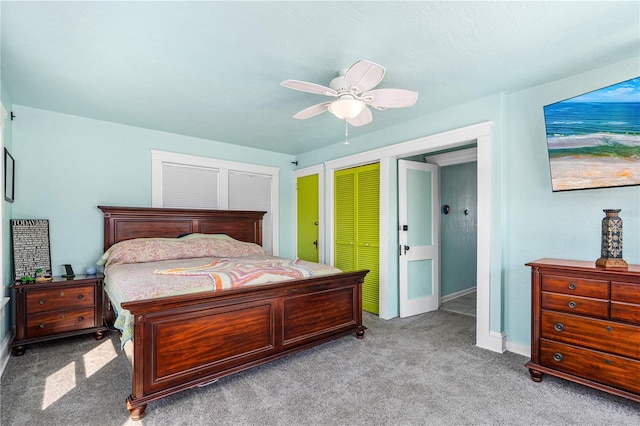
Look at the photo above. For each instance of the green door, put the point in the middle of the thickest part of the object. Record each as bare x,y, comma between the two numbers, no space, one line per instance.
308,218
357,227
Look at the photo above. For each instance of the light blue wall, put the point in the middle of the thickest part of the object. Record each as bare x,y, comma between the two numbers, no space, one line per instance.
458,232
7,208
529,221
66,166
478,111
541,223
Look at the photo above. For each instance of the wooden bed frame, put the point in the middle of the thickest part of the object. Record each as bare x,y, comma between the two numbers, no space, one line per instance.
185,341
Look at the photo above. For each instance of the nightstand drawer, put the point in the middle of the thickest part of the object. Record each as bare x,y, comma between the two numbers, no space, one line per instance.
60,322
600,367
591,333
60,298
576,305
597,289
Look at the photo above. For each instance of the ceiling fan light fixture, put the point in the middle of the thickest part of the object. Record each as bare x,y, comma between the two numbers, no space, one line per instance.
346,107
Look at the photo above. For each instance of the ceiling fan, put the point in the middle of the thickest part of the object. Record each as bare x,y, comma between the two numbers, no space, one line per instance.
353,94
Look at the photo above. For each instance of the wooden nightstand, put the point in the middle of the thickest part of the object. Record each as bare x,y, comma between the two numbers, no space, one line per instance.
59,308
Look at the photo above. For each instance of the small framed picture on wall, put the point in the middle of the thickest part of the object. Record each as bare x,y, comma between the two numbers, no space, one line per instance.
9,176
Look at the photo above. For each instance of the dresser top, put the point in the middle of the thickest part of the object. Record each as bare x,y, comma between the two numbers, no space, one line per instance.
582,265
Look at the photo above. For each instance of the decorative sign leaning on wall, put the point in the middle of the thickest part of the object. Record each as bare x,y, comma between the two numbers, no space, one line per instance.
31,253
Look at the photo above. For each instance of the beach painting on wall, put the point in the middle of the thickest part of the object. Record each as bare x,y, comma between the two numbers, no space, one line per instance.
594,139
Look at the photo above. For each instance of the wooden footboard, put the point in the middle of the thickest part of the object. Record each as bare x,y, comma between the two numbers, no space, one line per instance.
184,341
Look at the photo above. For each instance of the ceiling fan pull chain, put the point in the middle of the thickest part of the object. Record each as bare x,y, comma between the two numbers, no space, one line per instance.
346,132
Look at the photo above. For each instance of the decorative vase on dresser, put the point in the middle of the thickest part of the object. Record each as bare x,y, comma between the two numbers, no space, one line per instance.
585,325
611,241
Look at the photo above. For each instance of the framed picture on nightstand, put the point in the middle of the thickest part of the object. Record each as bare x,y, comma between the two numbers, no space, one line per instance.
30,248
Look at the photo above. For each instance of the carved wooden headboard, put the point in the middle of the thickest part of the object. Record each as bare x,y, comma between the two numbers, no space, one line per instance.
125,223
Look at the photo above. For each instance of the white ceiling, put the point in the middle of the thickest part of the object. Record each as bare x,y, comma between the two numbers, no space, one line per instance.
212,69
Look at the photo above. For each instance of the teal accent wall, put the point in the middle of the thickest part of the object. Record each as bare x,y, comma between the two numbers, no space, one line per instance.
458,232
67,165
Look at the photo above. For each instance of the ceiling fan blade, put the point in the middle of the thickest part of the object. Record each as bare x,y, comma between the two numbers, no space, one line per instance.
363,76
305,86
390,98
365,117
312,111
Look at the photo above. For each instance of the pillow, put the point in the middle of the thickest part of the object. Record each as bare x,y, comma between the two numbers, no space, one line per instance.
155,249
195,235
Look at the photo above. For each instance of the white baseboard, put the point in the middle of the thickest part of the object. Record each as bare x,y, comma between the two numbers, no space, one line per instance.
457,294
5,346
497,342
519,349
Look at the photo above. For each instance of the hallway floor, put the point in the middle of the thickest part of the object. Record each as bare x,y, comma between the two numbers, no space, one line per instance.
462,305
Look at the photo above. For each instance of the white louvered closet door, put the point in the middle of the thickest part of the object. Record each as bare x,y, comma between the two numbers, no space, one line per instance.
192,187
252,192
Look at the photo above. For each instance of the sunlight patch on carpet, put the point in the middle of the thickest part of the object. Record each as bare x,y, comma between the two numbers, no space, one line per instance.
59,384
98,357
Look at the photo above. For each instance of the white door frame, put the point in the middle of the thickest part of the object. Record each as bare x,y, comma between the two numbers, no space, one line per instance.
480,134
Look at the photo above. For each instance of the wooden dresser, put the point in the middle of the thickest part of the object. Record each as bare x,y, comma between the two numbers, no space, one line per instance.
585,325
60,308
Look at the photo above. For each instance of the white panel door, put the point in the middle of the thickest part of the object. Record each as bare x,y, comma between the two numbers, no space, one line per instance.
418,195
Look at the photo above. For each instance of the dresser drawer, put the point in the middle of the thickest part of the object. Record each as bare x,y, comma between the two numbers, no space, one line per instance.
597,289
60,298
576,305
600,367
625,292
59,322
607,336
626,312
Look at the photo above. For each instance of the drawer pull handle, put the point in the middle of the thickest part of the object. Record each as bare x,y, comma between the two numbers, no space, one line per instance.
80,319
606,361
42,325
557,357
80,296
559,326
609,329
572,286
61,293
42,301
573,305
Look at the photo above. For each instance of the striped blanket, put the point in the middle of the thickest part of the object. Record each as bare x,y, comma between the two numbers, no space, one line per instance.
233,273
